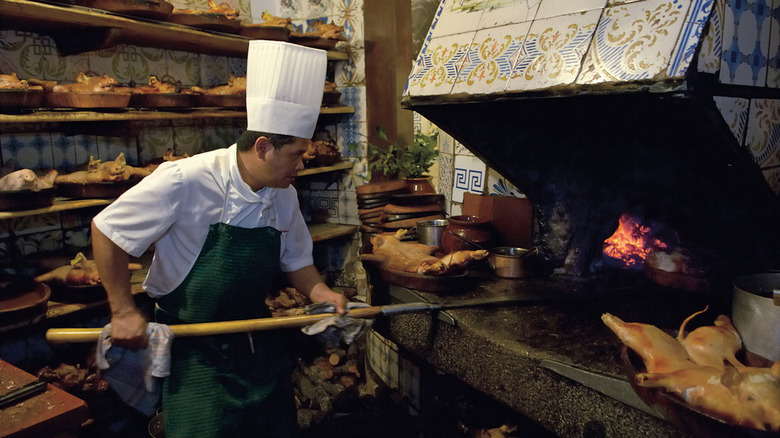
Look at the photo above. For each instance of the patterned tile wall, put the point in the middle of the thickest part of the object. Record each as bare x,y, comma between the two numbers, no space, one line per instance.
33,55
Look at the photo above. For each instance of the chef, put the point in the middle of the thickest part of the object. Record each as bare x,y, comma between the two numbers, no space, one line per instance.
223,224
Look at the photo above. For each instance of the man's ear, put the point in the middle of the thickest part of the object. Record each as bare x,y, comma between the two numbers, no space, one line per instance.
262,146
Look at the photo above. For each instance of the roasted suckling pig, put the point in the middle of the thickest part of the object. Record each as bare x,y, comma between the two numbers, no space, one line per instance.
79,272
235,85
214,8
155,86
270,20
86,84
415,257
109,171
26,179
702,369
327,31
12,82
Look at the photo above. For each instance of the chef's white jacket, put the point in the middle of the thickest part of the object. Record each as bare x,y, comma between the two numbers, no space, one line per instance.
173,207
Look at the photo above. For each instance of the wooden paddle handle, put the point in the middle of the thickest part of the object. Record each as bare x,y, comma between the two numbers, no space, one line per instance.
77,335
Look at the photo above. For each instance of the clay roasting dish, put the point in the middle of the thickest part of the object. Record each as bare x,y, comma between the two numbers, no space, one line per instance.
162,100
95,190
87,100
25,199
17,98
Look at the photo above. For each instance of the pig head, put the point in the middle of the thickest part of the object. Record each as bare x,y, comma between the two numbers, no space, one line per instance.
87,84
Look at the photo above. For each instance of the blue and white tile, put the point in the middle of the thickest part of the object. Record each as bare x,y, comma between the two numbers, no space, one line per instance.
455,209
734,111
689,38
746,29
773,63
63,153
324,202
351,138
356,98
498,185
634,41
357,175
439,66
187,140
48,241
84,147
554,8
214,70
446,143
553,51
763,131
28,150
489,60
457,17
36,224
712,42
184,67
460,149
446,167
109,149
772,177
519,11
348,208
469,175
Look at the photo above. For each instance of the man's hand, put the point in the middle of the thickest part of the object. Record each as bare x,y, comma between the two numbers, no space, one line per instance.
128,329
325,294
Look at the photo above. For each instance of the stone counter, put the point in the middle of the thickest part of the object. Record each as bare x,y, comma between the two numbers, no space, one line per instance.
497,350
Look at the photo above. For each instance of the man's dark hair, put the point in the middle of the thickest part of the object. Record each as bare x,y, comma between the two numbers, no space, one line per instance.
248,139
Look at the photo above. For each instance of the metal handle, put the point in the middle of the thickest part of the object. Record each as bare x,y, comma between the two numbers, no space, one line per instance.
466,240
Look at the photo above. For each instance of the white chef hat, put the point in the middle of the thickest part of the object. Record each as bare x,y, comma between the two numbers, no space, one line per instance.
284,86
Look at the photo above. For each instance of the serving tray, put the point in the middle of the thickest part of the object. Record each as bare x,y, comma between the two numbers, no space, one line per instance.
17,98
264,32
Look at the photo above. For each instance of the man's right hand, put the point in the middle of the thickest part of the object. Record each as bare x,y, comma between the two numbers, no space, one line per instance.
128,330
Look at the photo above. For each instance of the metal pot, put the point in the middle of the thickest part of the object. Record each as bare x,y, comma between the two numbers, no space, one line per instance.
510,261
756,313
430,232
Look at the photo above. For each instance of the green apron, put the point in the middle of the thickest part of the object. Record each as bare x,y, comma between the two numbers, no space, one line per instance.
228,385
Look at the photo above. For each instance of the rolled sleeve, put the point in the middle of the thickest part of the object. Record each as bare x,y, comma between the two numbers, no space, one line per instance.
144,213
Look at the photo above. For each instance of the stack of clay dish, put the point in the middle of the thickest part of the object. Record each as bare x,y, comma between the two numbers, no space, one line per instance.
405,210
372,198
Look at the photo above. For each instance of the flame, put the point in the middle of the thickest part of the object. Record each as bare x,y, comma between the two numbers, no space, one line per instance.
631,242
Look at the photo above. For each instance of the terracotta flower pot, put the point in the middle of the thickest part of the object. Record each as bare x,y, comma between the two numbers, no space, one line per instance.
420,186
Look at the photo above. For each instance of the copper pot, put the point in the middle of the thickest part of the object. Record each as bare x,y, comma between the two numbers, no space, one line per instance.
510,261
468,233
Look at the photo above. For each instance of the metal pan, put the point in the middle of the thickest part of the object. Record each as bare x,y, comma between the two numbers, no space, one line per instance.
25,199
162,100
95,190
29,98
678,412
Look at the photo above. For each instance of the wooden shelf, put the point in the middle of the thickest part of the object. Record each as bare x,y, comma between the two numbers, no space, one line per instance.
60,204
59,116
343,165
327,231
101,29
319,233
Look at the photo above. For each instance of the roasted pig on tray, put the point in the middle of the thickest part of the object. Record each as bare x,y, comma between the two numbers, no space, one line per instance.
415,257
79,272
271,20
12,82
85,84
109,171
702,369
214,8
235,85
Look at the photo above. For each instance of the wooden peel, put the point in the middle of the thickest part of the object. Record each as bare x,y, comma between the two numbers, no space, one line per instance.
78,335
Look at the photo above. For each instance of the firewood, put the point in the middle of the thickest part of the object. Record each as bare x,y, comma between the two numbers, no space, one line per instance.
347,380
349,367
336,356
309,417
323,363
318,396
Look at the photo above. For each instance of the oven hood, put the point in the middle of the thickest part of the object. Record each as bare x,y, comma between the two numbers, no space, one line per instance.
604,107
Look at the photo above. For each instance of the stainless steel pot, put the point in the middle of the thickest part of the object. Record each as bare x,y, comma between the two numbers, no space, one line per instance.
756,313
510,262
430,232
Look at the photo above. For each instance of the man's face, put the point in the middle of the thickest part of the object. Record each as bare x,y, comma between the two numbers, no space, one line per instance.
284,164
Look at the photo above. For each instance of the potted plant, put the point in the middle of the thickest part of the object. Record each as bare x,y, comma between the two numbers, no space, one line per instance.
411,163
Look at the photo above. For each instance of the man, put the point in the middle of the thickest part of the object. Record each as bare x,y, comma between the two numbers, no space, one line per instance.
223,223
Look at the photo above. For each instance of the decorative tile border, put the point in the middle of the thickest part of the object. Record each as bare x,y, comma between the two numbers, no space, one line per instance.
689,37
554,8
763,131
712,43
634,41
553,50
469,175
438,67
488,63
746,26
735,113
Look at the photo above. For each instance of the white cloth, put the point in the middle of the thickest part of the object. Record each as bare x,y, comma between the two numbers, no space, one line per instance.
173,207
284,87
336,329
135,375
